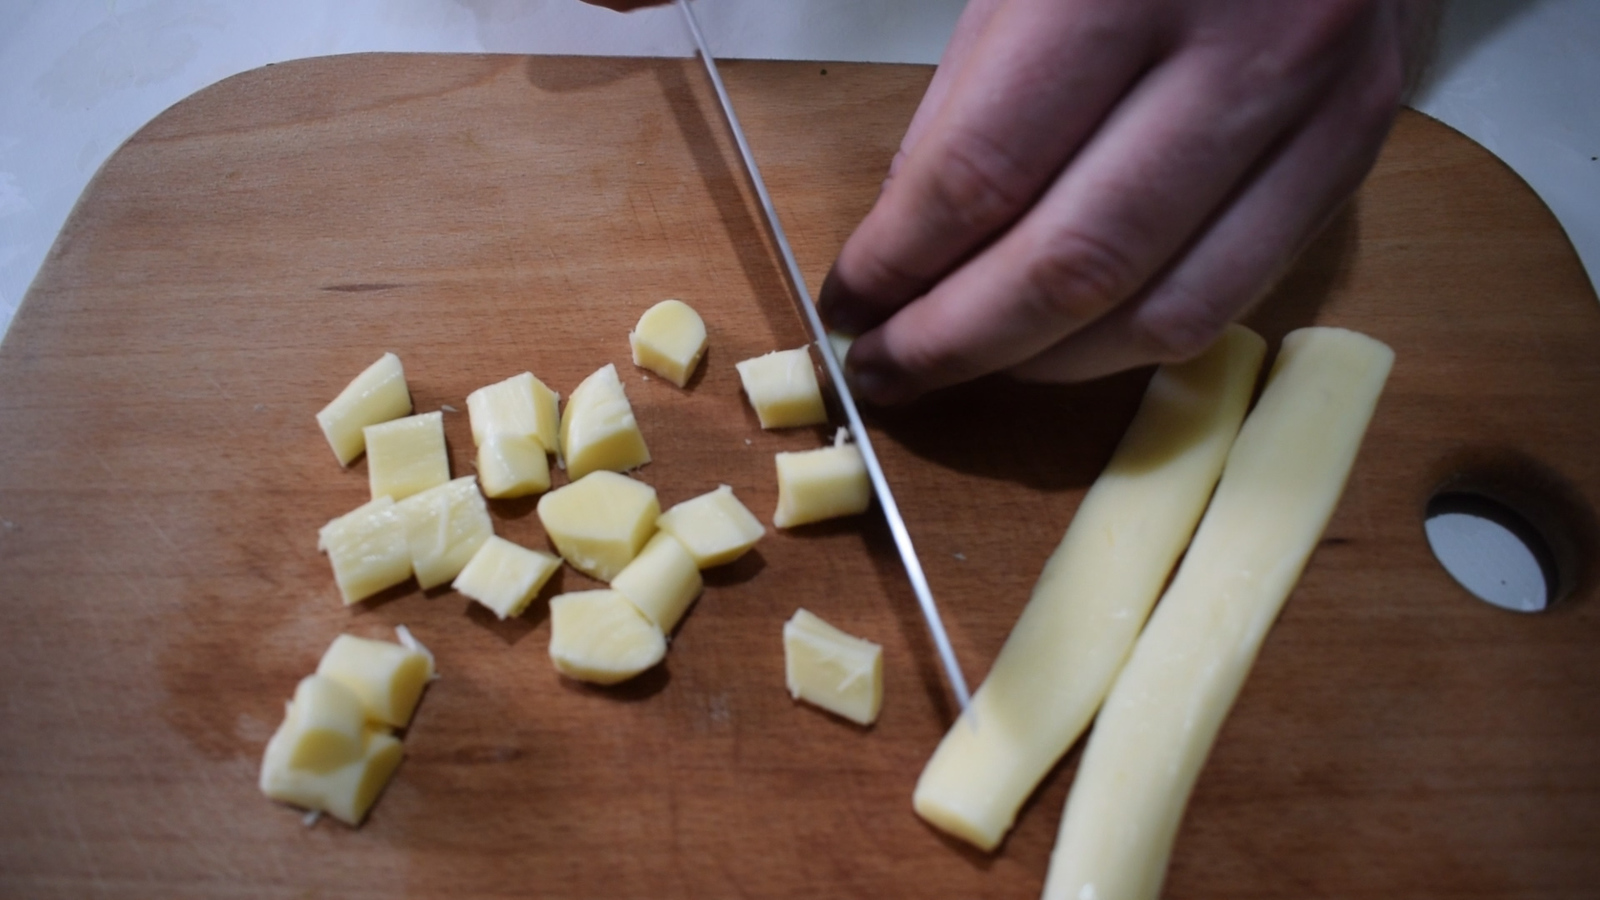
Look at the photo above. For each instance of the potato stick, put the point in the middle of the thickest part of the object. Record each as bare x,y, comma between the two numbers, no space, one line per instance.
1093,595
1283,479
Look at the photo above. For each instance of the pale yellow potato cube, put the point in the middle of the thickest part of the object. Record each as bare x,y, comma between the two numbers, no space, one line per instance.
521,405
388,678
347,792
329,722
505,577
512,465
600,522
407,456
782,387
368,550
600,637
598,430
445,525
662,581
841,344
376,395
814,485
826,667
669,341
714,527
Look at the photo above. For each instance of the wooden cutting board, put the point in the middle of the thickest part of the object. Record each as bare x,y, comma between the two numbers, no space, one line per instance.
242,257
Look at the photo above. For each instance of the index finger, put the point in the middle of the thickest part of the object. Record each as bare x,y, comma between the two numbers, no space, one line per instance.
1039,78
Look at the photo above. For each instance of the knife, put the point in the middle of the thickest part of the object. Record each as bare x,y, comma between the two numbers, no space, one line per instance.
830,361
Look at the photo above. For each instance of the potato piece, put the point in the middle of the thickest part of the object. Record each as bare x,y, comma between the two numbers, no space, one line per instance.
600,637
600,522
669,341
598,430
329,722
814,485
505,577
367,547
407,456
714,527
378,394
387,677
445,525
782,387
521,405
347,792
662,581
826,667
1093,596
512,465
1280,486
841,344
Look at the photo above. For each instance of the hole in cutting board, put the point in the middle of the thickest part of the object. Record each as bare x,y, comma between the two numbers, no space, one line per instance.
1511,530
1492,550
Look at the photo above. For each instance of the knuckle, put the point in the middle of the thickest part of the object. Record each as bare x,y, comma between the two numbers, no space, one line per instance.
883,279
1285,49
1077,276
928,360
978,183
896,164
1179,328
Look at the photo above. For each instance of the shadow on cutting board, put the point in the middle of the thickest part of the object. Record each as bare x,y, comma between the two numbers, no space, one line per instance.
1059,437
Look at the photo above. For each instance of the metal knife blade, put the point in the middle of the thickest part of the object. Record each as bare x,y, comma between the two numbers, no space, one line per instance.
819,336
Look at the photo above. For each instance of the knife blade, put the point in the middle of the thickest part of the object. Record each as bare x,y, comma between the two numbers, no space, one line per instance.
819,336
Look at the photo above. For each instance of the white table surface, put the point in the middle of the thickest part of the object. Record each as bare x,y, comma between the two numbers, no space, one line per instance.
77,77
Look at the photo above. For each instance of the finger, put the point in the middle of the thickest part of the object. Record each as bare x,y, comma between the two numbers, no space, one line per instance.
971,24
969,27
1296,192
1032,87
1156,171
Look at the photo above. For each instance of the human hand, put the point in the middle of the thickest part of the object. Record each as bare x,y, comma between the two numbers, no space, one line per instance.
1093,185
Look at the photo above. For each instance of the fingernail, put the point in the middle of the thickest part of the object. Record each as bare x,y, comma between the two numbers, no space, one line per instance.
839,309
876,385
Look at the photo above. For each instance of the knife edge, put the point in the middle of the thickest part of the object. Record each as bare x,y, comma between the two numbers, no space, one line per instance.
835,373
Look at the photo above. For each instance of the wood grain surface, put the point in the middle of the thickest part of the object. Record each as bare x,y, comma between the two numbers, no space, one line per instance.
242,257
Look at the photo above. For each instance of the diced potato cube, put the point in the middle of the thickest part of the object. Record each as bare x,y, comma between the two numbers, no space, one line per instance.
598,430
600,637
669,341
387,677
512,465
821,484
782,386
376,395
600,522
329,722
824,666
841,344
520,405
714,527
347,792
445,525
368,550
662,581
407,456
505,577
